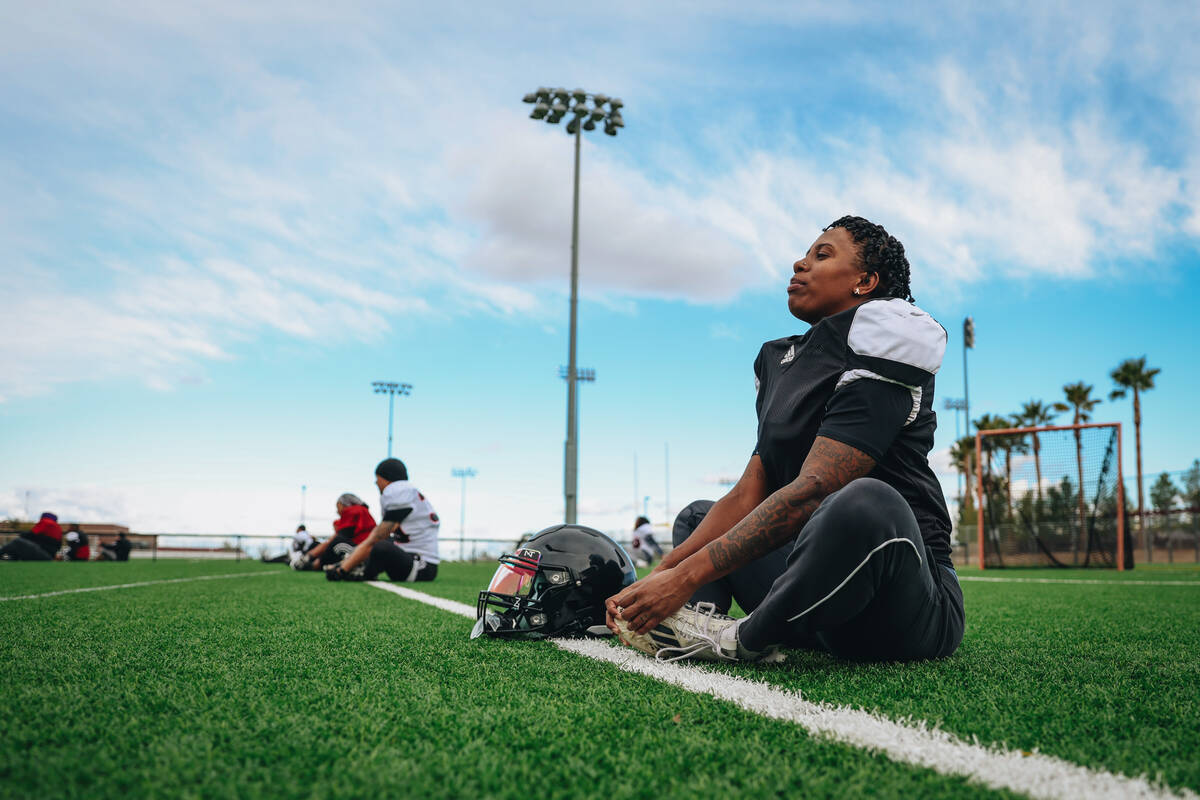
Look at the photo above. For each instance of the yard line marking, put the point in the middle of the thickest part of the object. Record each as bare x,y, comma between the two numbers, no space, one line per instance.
1083,581
453,606
139,583
1036,775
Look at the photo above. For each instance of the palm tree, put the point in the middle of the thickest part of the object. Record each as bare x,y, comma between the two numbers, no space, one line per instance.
1011,443
962,453
1035,414
1079,398
1132,374
989,444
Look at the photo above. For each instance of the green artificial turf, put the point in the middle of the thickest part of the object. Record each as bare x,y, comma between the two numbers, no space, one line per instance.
286,686
36,577
1106,676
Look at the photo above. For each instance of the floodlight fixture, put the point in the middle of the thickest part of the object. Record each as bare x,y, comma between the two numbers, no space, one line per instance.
582,374
600,99
573,125
617,120
609,128
463,473
589,126
615,103
530,98
539,111
580,96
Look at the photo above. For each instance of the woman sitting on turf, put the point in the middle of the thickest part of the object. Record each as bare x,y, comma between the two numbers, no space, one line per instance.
41,543
836,537
353,525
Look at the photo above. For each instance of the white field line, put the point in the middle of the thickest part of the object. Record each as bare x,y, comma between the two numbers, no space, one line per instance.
911,742
1082,581
140,583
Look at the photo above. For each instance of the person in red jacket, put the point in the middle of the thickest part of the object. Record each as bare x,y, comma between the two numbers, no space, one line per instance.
38,544
77,545
353,525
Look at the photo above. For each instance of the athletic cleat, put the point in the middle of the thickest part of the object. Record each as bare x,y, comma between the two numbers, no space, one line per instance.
694,631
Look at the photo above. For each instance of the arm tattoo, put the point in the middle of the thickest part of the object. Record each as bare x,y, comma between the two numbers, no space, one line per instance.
830,465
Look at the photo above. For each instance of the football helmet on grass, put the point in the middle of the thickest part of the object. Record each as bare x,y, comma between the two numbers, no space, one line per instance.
554,585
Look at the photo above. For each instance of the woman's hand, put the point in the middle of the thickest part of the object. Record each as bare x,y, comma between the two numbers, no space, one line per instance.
649,601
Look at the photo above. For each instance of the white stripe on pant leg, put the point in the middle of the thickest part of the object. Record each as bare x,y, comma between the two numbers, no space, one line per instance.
913,743
416,567
854,571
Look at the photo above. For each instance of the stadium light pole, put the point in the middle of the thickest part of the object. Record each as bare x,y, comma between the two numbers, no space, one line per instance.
391,390
464,473
636,493
667,482
303,492
968,344
571,454
551,105
956,404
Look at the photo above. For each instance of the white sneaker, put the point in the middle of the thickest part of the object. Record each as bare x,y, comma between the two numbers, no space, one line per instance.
694,631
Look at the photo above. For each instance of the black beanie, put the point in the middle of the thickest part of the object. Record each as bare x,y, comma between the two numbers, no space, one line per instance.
392,469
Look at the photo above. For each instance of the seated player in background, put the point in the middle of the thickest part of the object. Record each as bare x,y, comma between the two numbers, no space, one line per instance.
405,542
644,543
77,545
116,551
837,536
41,543
302,544
353,525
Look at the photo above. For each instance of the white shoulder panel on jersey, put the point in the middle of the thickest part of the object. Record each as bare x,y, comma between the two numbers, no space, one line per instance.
398,494
898,331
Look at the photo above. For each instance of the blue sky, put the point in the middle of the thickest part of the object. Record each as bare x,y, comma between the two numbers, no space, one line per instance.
219,225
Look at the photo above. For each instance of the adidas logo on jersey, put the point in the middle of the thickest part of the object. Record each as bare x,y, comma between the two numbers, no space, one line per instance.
789,356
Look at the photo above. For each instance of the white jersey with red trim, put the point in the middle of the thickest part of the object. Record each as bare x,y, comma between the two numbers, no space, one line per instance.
418,531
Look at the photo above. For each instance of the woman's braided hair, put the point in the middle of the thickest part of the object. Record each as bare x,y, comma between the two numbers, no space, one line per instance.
881,253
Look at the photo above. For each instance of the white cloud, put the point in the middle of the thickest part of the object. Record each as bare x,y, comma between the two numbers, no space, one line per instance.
636,237
233,184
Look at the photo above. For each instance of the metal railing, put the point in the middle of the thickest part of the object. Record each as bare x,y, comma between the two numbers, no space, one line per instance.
241,546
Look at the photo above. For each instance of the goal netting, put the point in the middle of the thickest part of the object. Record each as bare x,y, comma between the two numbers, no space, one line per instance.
1051,497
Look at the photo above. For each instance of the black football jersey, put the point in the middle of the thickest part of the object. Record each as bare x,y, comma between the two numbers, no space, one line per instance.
863,377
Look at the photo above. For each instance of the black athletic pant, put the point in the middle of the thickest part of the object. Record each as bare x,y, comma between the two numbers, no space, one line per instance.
856,581
399,564
339,547
113,552
31,547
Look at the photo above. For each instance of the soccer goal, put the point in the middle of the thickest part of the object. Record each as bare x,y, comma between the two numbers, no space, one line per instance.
1051,497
